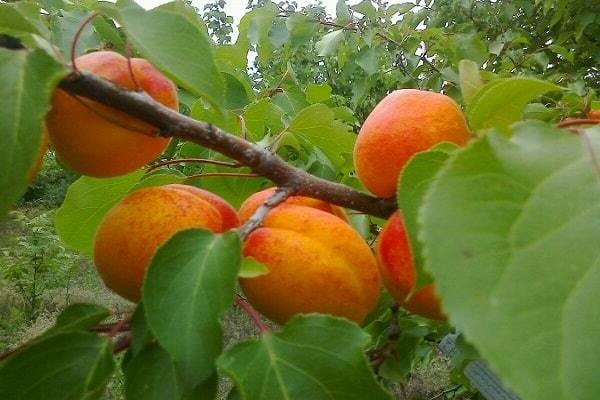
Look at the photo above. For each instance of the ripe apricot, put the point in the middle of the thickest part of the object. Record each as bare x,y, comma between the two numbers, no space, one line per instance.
593,114
136,227
251,204
397,268
316,262
405,122
39,160
100,141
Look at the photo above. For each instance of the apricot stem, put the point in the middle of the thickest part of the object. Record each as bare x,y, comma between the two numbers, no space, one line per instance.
192,160
252,313
76,38
170,123
129,66
578,121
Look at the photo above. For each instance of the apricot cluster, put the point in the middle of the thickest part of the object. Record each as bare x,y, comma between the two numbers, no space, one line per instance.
405,122
317,262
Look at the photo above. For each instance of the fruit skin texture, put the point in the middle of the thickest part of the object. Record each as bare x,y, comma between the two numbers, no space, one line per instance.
39,160
97,140
593,114
397,268
405,122
316,262
249,207
135,228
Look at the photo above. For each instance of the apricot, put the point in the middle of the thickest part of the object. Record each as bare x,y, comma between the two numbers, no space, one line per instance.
100,141
39,160
593,114
397,269
316,262
251,204
136,227
405,122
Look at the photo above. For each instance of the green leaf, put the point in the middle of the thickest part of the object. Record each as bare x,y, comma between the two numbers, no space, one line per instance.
21,19
413,182
330,43
342,12
261,21
318,93
236,96
66,366
64,28
85,204
189,285
109,32
469,79
260,116
365,7
470,46
317,125
79,317
251,268
151,374
227,120
27,79
501,102
302,29
160,177
290,101
367,60
522,259
314,357
177,45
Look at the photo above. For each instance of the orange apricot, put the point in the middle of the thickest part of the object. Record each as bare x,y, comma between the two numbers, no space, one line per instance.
594,114
405,122
97,140
316,263
136,227
397,269
251,204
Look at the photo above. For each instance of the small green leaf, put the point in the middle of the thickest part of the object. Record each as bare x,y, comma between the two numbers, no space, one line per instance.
342,12
261,22
314,357
469,79
317,125
330,43
177,44
251,268
365,7
470,46
65,26
413,182
260,116
501,102
189,285
367,60
510,231
85,204
27,79
66,366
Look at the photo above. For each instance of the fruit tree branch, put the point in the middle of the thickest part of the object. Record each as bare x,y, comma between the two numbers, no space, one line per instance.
278,197
172,124
252,313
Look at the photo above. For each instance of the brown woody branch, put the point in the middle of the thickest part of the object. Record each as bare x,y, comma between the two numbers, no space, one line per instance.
170,123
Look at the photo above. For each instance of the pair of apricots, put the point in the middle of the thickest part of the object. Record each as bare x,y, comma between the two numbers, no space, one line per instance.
316,261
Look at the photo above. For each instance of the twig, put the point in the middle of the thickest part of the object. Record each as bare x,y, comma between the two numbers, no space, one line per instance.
577,121
445,392
192,160
172,124
130,66
120,326
279,196
122,343
252,313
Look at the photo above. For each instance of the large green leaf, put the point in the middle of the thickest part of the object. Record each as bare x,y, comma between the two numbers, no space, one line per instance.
501,102
315,357
80,316
22,19
329,43
27,79
66,366
511,234
151,375
189,285
316,124
177,44
64,28
413,182
87,200
260,24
